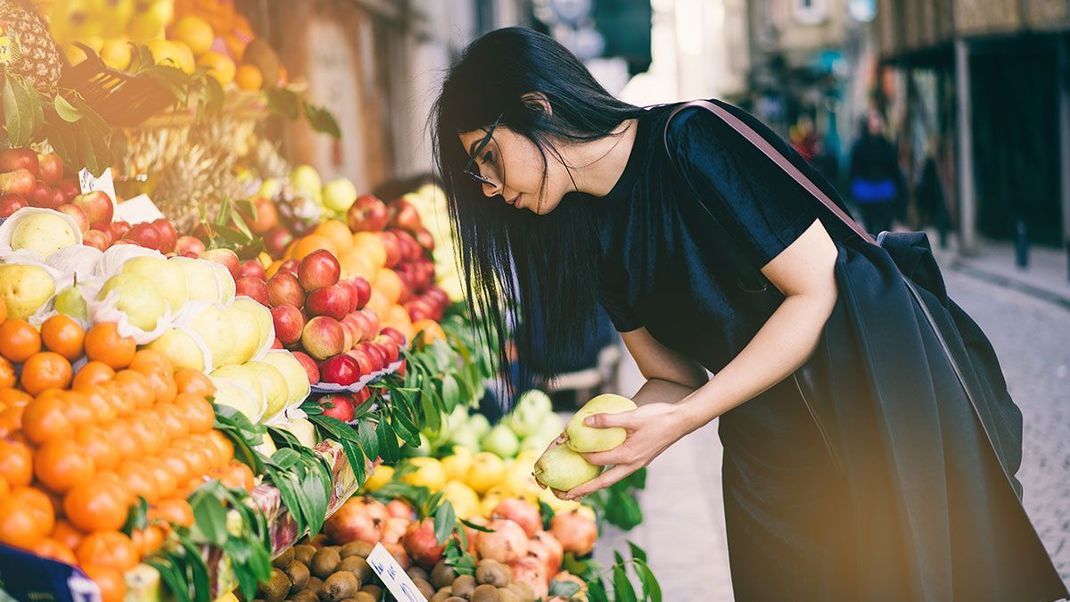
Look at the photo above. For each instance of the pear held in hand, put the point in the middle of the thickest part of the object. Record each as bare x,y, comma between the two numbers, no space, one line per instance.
586,439
563,469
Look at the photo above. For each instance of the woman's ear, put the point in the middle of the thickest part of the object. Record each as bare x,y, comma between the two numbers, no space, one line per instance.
537,101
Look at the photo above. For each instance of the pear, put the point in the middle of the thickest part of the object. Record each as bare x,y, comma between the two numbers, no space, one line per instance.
297,386
202,283
246,341
586,439
181,348
274,385
563,469
71,302
231,393
137,297
25,288
265,326
43,233
169,278
302,429
212,325
245,376
339,195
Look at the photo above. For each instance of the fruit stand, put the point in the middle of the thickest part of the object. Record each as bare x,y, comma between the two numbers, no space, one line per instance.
221,376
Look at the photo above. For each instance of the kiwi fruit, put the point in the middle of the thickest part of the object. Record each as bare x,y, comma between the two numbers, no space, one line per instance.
356,548
522,590
485,593
463,585
305,596
424,586
415,572
325,562
506,594
363,596
340,586
284,559
298,574
276,588
456,599
358,566
304,553
320,540
495,574
374,590
441,596
442,575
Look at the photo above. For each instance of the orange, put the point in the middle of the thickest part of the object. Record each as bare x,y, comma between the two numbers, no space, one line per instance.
108,548
310,243
62,464
224,448
50,548
194,381
175,512
3,311
370,245
135,387
336,232
44,514
116,396
19,524
248,77
199,459
138,479
354,264
104,343
18,340
173,420
388,284
80,412
147,540
175,463
100,406
96,444
93,373
110,581
13,398
121,435
98,505
45,370
5,489
148,430
65,534
45,419
7,374
195,32
148,361
163,481
64,335
10,421
239,476
431,329
16,463
200,416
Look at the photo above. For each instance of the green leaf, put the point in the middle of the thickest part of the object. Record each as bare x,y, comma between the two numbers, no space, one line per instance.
18,112
445,522
284,102
368,440
596,591
651,587
564,589
623,511
476,527
637,552
451,392
198,572
66,110
209,519
322,120
431,413
622,587
546,513
172,578
138,516
388,442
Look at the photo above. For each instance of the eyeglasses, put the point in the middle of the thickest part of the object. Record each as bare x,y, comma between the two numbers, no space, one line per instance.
472,169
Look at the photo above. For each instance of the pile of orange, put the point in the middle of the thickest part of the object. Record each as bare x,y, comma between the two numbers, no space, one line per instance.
77,448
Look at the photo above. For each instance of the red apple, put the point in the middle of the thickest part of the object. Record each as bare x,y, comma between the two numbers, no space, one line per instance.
378,359
146,235
405,216
394,334
365,290
97,206
426,240
410,248
323,337
189,244
373,321
333,301
367,213
365,360
69,188
42,196
284,289
318,269
20,182
10,203
276,240
19,158
418,310
393,248
97,239
253,287
289,322
353,322
252,267
340,370
50,168
168,235
352,291
390,345
224,257
117,230
277,344
309,364
267,217
290,265
362,396
337,406
77,214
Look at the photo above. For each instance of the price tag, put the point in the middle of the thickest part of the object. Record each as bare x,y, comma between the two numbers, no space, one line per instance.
88,183
137,210
388,569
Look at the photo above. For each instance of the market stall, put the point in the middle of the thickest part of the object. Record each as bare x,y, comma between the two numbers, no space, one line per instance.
221,375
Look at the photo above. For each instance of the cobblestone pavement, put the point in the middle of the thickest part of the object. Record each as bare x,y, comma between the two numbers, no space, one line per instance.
684,530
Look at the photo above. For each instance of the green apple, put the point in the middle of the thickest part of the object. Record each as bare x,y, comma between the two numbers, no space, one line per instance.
25,288
479,424
71,302
297,386
202,284
563,469
302,429
261,316
43,233
170,279
181,348
270,188
501,440
338,195
274,384
231,393
246,338
137,297
305,179
585,439
466,438
212,325
246,377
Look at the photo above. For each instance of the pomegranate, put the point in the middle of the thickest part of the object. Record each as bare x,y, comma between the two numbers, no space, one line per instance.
576,532
505,543
547,549
521,512
376,510
419,541
399,508
351,523
394,529
399,554
532,572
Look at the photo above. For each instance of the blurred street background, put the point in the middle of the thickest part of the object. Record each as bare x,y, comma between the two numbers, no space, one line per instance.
946,115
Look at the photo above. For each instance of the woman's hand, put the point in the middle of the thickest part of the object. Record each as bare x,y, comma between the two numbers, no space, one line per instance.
651,428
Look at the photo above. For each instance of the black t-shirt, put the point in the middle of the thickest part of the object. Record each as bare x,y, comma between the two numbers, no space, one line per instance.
660,269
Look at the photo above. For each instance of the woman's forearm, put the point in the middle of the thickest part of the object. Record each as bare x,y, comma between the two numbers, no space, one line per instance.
780,347
656,390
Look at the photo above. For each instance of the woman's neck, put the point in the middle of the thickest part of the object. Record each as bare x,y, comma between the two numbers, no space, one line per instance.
599,164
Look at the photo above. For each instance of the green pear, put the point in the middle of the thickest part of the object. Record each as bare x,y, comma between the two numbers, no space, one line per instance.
137,297
25,288
274,384
227,286
423,450
180,347
563,469
170,279
305,179
215,330
297,386
245,376
232,394
586,439
465,437
479,424
201,281
302,429
265,326
502,441
43,233
246,337
71,302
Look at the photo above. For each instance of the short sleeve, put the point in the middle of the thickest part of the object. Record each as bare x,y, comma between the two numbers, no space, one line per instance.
752,197
611,294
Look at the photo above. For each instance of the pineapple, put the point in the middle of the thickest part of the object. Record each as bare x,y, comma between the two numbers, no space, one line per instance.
33,53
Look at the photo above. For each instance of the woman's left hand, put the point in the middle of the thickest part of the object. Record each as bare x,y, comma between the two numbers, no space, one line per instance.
651,428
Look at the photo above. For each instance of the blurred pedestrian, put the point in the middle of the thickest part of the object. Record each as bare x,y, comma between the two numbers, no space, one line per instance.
875,178
929,195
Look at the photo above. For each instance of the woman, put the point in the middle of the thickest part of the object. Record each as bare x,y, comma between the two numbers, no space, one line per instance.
563,197
876,180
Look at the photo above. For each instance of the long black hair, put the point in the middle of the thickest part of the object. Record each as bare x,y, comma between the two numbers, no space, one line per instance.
537,274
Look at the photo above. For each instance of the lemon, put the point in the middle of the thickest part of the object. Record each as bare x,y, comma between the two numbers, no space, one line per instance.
486,471
457,464
193,32
428,473
219,66
465,501
379,477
